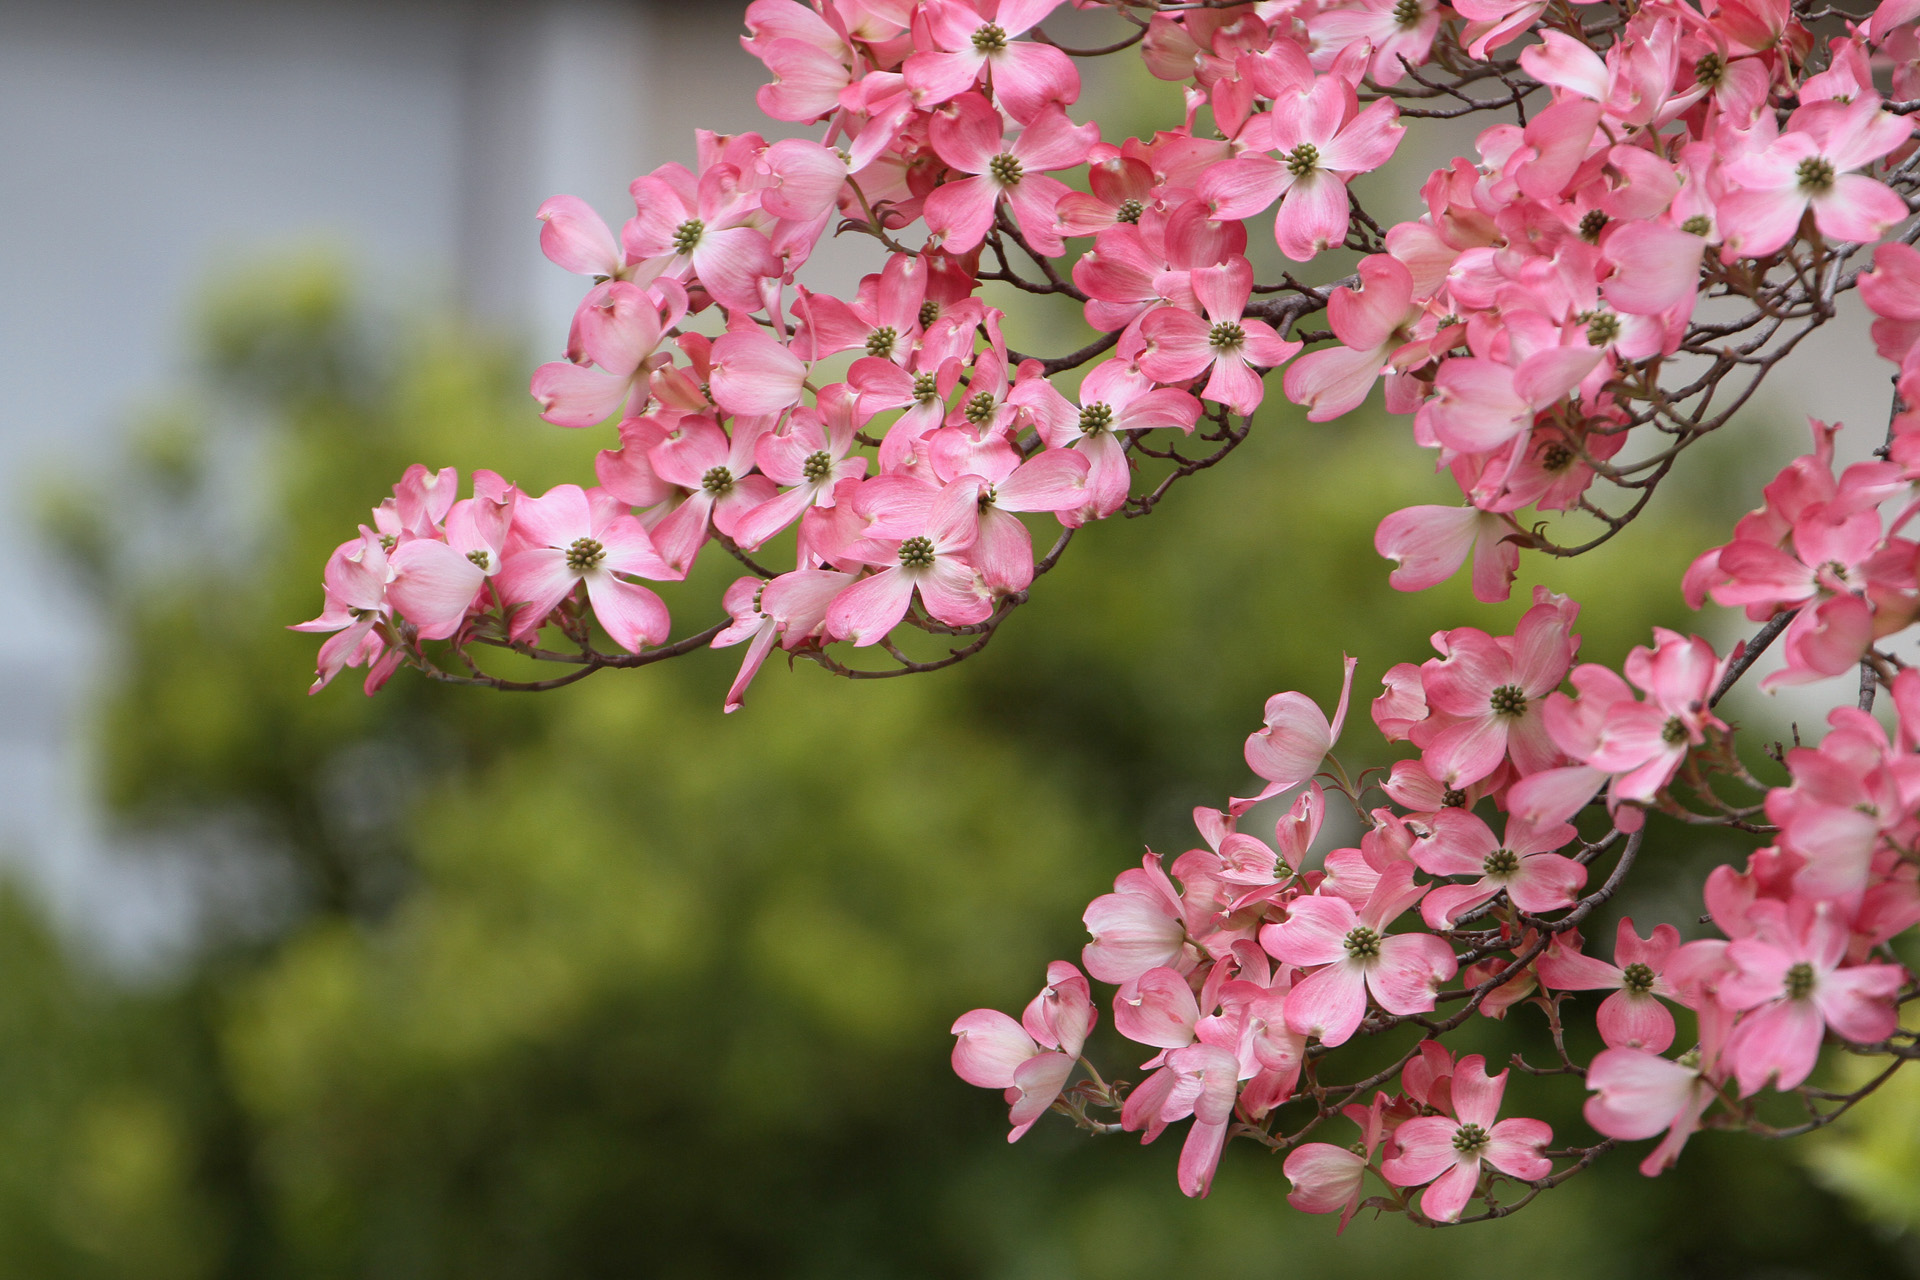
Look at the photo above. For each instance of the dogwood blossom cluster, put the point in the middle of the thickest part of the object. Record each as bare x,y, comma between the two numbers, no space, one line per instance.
1244,966
1671,197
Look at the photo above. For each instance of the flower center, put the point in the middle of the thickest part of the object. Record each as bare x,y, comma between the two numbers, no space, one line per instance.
1815,174
1362,943
1508,700
1453,798
989,38
1602,327
1800,981
929,312
1129,211
1407,13
1710,70
1470,1139
1005,169
916,553
818,466
1592,225
584,554
1226,336
926,388
880,341
1638,978
481,558
1698,225
688,234
1303,160
389,541
1673,731
717,480
980,407
1095,418
1555,457
1501,864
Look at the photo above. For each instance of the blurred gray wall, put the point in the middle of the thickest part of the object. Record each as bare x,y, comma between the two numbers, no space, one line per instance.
145,145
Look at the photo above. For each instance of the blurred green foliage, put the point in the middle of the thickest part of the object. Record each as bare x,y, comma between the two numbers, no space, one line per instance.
603,983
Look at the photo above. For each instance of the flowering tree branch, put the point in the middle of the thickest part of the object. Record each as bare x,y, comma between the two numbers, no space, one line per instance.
1665,203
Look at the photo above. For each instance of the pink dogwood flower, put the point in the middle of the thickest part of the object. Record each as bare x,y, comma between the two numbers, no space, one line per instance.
971,38
1633,1017
1137,927
918,541
1182,346
1200,1080
1523,866
1485,695
1448,1152
967,135
1325,139
1114,398
790,610
1429,544
1638,1093
1355,956
356,604
1296,737
618,328
1812,167
698,228
1330,1179
1030,1059
567,537
1787,975
812,454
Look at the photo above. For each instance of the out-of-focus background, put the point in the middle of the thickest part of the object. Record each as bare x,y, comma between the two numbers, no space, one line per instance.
601,983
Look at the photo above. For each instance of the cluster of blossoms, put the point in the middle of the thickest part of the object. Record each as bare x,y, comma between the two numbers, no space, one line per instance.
1684,193
1252,959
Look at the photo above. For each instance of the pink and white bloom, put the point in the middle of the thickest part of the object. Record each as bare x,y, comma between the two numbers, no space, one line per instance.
1330,1179
1296,737
1637,1094
1633,1017
1523,866
967,136
790,610
1788,976
699,229
1325,139
918,538
1031,1059
1448,1152
967,39
1182,346
617,328
1429,544
356,605
1485,695
1812,166
1115,397
565,538
1355,956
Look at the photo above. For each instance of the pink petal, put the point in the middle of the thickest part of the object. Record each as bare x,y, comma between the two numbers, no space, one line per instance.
865,612
990,1048
573,236
1629,1021
635,617
1329,1003
1410,970
1449,1193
